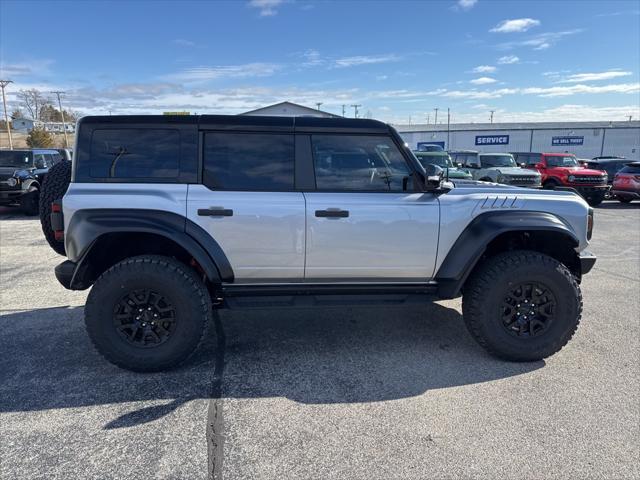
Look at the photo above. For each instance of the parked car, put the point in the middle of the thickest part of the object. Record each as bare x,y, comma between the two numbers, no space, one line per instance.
564,170
21,175
608,157
429,147
497,168
443,160
626,184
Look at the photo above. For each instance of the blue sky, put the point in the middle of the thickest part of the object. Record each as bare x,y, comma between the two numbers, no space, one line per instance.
528,61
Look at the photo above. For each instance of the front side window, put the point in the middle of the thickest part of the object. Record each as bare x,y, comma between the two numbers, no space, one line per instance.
249,161
135,153
566,161
359,162
490,161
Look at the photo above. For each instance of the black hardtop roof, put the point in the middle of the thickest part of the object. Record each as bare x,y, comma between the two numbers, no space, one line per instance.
236,122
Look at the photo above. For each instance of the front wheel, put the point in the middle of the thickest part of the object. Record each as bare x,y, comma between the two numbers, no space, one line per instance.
595,200
147,313
29,203
522,305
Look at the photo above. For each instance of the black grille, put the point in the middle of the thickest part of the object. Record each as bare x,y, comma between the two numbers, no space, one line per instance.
589,179
528,180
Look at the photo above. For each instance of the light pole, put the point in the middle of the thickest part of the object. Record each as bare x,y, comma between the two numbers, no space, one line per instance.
436,119
64,125
355,110
343,106
4,83
318,105
491,119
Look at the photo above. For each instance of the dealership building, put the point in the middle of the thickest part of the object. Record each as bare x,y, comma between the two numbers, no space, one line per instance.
584,139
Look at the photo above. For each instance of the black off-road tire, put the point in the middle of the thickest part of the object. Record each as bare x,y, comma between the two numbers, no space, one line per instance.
54,187
178,286
29,203
595,200
490,286
550,184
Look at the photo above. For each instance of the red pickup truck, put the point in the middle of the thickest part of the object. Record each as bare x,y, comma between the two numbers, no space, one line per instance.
564,170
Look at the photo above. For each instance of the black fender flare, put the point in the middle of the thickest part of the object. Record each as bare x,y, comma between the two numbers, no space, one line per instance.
474,239
88,225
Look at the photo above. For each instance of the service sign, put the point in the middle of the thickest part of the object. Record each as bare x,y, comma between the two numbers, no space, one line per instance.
561,141
492,139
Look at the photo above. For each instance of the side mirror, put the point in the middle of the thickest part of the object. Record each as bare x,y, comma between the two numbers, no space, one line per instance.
434,175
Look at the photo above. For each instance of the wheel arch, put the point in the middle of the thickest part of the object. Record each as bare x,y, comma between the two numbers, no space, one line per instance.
495,232
97,239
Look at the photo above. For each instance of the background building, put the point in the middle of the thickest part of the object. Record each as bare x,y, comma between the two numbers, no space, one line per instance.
289,109
585,139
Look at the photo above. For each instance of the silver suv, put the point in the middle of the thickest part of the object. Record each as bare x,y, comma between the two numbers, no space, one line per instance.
170,218
497,168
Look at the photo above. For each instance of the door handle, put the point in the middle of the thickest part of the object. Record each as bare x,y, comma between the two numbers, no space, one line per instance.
215,212
332,213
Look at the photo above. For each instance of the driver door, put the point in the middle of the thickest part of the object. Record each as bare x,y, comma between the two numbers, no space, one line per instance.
364,221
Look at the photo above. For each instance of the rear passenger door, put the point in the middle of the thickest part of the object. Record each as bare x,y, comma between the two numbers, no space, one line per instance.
247,203
364,220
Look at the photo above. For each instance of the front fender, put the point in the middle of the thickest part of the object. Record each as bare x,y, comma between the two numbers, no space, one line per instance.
473,242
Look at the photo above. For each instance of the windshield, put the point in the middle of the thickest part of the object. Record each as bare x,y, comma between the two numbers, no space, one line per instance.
497,161
566,161
443,161
15,158
430,148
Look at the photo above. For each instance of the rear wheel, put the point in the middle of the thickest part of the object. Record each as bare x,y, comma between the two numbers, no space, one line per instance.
54,187
522,305
550,185
147,313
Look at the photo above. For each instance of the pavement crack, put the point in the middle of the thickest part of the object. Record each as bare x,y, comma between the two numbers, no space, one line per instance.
215,420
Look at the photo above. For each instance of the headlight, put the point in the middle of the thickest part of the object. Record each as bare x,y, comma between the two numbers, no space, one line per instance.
12,182
572,178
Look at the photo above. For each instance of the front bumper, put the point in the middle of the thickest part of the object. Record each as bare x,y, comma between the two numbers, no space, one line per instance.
8,196
626,193
587,261
590,189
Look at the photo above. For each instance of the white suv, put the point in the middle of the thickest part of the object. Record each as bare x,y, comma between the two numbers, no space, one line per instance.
170,218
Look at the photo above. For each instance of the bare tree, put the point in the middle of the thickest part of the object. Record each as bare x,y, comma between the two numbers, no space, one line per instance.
34,102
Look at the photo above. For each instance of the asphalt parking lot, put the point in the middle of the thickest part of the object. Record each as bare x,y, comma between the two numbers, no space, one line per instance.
353,393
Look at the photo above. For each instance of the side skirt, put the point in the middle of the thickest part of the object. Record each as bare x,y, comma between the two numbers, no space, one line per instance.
316,295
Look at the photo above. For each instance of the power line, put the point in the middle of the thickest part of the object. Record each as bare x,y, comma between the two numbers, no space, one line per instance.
4,83
64,125
355,110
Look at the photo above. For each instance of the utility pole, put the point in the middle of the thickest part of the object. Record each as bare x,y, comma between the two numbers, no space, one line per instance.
448,125
64,125
355,110
436,120
4,83
318,105
428,118
343,106
491,118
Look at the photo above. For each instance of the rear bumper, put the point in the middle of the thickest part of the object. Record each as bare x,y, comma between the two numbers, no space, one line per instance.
587,261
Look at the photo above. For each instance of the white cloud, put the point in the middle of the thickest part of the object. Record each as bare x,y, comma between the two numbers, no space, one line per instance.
184,43
365,60
484,69
515,25
483,81
581,89
592,77
508,60
32,68
199,74
541,41
466,4
268,8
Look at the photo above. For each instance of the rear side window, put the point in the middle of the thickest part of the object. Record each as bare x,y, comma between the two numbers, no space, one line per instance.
248,161
631,169
135,153
359,162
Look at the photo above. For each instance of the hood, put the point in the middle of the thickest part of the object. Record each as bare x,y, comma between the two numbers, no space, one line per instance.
520,172
577,171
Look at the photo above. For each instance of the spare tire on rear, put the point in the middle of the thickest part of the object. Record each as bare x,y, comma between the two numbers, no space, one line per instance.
53,187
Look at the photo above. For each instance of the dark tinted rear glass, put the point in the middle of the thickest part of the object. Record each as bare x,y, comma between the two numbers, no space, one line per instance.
15,158
631,169
248,161
135,153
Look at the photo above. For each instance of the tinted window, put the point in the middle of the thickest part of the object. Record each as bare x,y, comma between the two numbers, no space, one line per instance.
358,162
135,153
15,158
558,161
489,161
532,159
631,169
248,161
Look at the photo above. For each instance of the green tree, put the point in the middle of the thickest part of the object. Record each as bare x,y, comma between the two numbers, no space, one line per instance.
39,138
